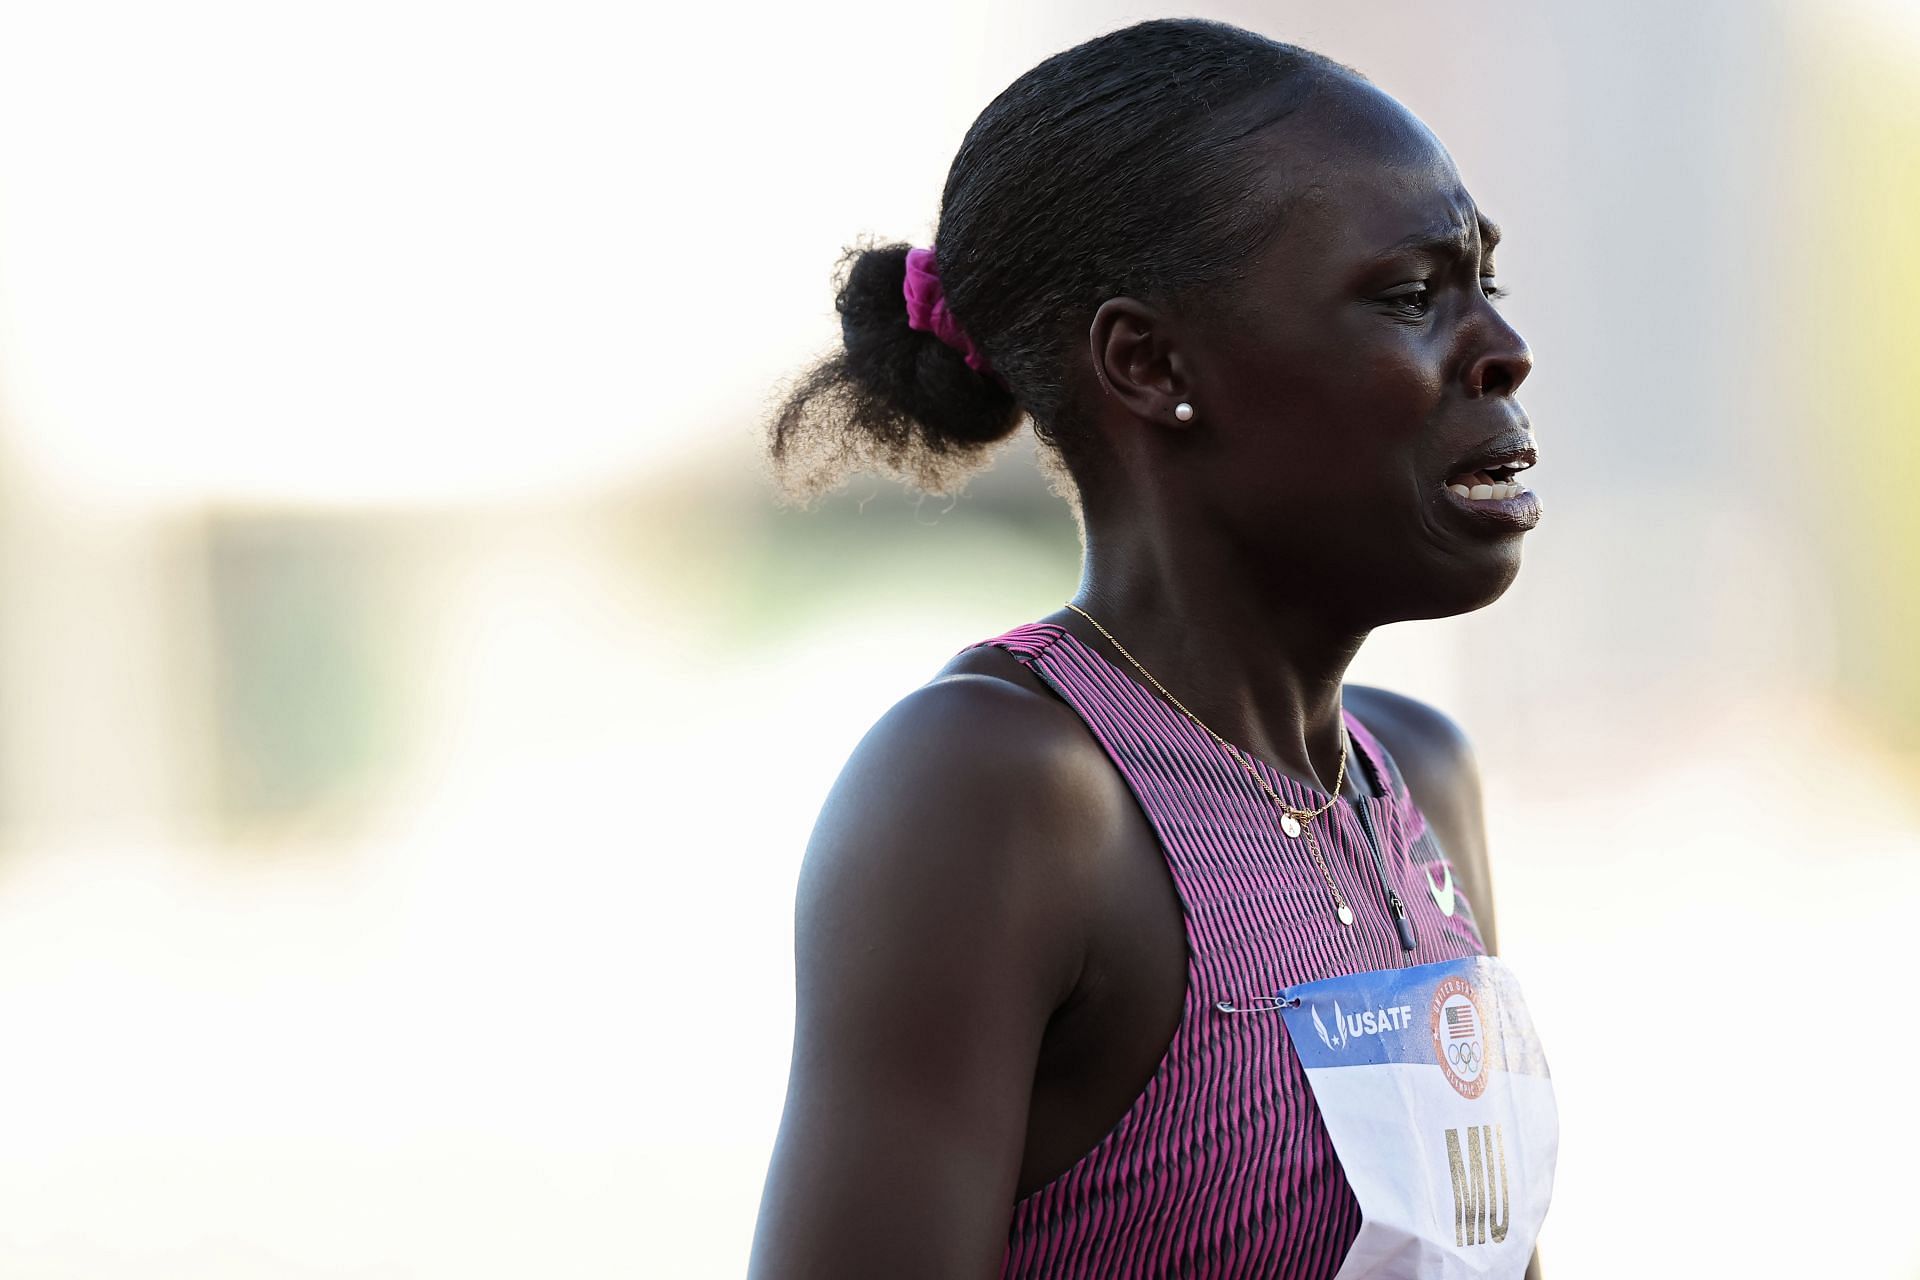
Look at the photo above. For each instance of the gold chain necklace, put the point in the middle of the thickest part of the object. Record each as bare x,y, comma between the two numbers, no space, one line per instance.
1293,821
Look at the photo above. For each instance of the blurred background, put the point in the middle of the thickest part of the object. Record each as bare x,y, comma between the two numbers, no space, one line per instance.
414,702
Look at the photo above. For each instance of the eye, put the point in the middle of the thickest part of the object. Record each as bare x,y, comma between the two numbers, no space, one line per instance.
1413,301
1490,289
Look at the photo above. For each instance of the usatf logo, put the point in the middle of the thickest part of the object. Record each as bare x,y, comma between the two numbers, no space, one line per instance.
1459,1037
1367,1022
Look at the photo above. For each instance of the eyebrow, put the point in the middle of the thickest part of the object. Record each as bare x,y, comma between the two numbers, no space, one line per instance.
1447,240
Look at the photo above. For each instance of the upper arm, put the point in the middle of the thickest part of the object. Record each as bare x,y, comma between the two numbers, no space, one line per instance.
934,939
1438,763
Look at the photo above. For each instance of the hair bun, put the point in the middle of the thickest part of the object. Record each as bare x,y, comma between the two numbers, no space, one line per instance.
893,397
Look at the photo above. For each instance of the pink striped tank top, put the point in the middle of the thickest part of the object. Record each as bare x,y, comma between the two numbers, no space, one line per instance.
1222,1167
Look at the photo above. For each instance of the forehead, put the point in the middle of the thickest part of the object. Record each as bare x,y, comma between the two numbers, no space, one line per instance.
1361,176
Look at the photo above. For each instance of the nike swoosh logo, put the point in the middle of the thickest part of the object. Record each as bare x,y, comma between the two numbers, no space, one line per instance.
1442,892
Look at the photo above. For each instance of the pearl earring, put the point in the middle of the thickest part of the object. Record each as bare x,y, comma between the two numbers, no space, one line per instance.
1183,411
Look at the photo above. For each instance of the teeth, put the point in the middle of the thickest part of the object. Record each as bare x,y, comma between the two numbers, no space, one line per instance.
1487,492
1480,486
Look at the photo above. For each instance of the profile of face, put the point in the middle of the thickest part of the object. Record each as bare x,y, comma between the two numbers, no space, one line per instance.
1355,370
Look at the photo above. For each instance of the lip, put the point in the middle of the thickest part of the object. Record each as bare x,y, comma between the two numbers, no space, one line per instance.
1503,515
1510,446
1517,514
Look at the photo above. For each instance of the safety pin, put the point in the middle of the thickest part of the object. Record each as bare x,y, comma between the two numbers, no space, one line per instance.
1260,1004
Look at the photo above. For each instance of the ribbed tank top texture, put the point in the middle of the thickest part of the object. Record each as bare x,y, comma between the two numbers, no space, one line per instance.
1221,1167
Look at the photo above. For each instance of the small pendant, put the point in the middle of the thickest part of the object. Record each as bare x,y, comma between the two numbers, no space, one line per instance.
1345,913
1290,824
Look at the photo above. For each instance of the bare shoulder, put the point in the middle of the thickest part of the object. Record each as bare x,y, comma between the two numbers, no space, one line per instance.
975,808
1437,760
982,721
1422,737
982,762
941,920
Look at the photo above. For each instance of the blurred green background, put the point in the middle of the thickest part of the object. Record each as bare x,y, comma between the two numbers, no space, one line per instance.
414,701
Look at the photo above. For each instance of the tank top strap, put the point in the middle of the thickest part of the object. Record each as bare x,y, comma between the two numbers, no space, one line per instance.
1031,639
1379,760
1026,641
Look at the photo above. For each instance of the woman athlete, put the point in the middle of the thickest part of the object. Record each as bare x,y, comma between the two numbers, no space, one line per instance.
1068,915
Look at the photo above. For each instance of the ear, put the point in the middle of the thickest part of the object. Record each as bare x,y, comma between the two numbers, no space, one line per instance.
1137,361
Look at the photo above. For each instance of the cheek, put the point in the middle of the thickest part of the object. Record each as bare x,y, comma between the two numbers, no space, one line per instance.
1401,388
1333,415
1351,383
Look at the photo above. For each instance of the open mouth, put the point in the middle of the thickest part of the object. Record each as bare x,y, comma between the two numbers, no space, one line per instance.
1490,484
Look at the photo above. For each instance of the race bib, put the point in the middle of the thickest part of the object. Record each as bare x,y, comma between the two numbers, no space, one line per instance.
1437,1098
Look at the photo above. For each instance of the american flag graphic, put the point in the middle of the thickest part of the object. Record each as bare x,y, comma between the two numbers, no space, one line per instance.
1459,1021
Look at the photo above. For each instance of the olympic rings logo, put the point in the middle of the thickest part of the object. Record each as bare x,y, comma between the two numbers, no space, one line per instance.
1460,1045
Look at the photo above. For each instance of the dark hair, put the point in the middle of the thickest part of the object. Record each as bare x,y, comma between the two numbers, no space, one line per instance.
1117,167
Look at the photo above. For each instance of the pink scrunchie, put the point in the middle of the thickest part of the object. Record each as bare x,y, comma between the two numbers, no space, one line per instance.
927,311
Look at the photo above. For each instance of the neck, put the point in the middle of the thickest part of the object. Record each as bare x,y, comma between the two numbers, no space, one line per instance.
1259,667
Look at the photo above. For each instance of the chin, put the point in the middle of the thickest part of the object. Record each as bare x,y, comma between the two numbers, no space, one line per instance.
1462,583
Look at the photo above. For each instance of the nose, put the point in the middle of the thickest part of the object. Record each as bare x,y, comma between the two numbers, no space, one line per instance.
1504,363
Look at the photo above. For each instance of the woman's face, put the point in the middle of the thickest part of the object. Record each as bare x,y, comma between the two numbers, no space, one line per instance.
1359,368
